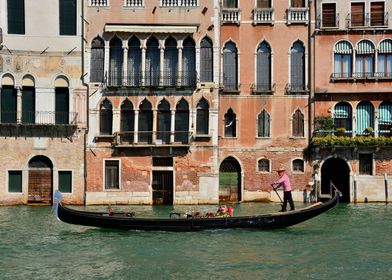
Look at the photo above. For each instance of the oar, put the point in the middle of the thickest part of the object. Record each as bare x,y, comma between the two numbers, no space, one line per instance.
281,201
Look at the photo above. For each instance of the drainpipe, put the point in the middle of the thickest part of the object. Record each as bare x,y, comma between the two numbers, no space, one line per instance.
310,84
87,105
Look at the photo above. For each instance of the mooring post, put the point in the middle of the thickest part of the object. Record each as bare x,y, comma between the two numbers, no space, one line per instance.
386,187
355,189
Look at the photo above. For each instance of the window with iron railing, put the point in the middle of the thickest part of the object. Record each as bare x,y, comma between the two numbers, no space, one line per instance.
178,3
99,3
134,3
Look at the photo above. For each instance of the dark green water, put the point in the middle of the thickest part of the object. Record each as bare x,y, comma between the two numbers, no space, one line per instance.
349,242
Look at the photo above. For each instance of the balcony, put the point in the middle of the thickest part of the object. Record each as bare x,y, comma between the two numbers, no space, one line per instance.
366,20
361,76
178,3
134,3
99,3
38,118
328,21
155,138
263,16
298,15
186,79
230,16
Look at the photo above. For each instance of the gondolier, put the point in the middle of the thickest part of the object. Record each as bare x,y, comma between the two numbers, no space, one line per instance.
284,182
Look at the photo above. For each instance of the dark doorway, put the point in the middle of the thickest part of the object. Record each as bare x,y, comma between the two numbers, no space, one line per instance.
162,187
40,180
337,171
230,180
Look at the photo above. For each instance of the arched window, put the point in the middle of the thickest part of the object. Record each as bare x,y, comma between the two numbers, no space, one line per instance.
263,124
298,165
116,57
297,70
106,118
171,62
343,59
8,100
364,117
263,63
206,60
188,63
385,59
61,101
298,124
164,120
230,124
182,122
202,117
152,62
28,100
385,118
145,121
364,59
342,116
230,66
134,62
97,60
263,165
127,127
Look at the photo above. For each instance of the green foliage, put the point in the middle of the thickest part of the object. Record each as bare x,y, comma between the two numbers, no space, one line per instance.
345,141
324,123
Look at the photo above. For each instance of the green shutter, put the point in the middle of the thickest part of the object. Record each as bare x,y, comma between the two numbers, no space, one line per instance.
8,104
65,181
15,181
28,105
16,16
67,17
62,105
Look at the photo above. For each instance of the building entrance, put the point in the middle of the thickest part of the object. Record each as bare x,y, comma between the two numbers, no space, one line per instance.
337,171
230,180
40,188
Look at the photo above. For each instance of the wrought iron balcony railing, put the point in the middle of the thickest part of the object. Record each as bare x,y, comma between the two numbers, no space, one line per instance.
125,138
38,118
361,76
263,15
328,21
367,20
152,79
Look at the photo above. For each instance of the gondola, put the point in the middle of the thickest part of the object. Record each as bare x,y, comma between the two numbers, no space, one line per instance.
128,221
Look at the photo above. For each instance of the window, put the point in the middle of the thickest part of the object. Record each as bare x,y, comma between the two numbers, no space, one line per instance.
230,4
112,170
170,62
145,121
297,3
342,115
65,181
263,4
127,121
15,181
385,118
365,117
62,105
230,124
134,62
343,53
16,16
329,15
297,69
298,165
99,2
202,117
385,59
116,58
8,104
181,125
263,165
28,104
377,14
134,3
178,3
263,63
263,124
357,14
188,77
206,60
298,124
68,17
97,60
364,59
152,62
164,121
105,118
365,164
230,66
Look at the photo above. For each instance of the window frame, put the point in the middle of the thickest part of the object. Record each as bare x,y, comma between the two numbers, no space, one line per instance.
263,159
104,186
59,171
66,20
295,161
266,118
8,181
362,170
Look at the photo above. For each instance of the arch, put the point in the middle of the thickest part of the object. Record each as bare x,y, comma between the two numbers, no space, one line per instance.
61,100
8,98
164,121
230,66
385,118
145,123
202,117
61,81
28,81
364,117
40,180
384,58
97,60
106,117
152,62
7,80
298,124
181,126
364,59
230,180
263,124
342,115
230,123
337,171
127,121
206,60
298,165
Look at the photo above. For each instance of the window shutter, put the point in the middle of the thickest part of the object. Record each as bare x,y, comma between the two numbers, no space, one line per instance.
16,16
65,181
230,80
67,17
61,105
15,181
329,15
298,124
365,116
377,13
357,14
264,70
8,104
297,70
206,61
116,62
28,105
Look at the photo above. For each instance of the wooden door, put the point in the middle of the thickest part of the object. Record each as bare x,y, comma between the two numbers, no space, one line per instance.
40,185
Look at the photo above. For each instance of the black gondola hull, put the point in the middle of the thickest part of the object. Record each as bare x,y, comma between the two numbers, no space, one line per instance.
125,221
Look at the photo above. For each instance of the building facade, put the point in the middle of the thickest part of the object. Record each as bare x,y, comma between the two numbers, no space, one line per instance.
352,97
43,102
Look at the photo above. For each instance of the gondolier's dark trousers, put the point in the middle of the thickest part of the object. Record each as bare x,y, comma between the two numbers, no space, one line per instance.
287,197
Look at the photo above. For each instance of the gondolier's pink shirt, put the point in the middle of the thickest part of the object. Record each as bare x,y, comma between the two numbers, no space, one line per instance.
285,182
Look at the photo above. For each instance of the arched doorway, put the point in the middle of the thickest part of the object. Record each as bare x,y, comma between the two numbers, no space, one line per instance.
337,171
40,180
230,180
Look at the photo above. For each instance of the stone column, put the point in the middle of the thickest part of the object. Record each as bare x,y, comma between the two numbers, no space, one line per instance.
18,104
172,125
154,125
136,127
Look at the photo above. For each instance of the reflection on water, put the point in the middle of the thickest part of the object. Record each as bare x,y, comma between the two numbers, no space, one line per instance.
348,242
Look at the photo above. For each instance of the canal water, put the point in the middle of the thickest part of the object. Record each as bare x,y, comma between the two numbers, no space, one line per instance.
352,241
